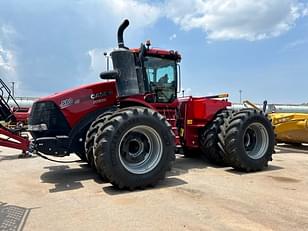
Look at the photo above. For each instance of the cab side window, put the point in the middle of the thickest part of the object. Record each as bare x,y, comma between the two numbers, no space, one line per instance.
162,78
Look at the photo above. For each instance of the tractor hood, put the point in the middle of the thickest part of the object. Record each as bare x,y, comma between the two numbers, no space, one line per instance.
78,102
83,90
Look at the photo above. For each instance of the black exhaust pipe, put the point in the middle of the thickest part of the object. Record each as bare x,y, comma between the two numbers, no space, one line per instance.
121,29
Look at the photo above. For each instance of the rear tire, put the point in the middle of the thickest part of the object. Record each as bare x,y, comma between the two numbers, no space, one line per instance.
211,139
135,148
249,140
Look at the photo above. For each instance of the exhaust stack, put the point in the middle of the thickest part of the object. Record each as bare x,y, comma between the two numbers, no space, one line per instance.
121,29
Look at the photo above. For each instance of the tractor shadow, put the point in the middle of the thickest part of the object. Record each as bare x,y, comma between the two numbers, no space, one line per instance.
181,166
285,148
268,169
65,178
197,162
70,177
15,157
168,182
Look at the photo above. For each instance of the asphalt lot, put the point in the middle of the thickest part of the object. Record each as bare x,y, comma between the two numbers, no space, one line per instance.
40,195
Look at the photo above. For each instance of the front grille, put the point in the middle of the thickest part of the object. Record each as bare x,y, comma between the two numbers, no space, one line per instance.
48,113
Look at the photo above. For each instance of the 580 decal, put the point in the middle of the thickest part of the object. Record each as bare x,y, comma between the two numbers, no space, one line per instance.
66,103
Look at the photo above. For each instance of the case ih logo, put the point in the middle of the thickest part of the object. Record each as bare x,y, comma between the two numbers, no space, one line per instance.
100,95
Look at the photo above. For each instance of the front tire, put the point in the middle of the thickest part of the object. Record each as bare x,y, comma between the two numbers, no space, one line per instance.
89,141
135,148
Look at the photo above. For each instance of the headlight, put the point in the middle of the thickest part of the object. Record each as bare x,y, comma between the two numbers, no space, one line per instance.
37,127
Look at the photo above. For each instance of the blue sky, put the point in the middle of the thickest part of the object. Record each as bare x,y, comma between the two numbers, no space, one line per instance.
260,47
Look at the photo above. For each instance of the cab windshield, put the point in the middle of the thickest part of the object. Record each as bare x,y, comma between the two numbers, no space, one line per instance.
161,76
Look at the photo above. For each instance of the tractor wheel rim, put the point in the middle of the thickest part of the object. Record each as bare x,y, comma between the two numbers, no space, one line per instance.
140,149
256,140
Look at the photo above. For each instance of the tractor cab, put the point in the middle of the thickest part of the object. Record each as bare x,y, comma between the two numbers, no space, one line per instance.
160,74
144,71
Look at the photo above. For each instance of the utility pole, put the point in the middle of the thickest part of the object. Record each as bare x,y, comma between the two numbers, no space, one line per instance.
13,88
240,95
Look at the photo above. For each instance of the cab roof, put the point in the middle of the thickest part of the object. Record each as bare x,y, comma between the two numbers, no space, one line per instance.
171,54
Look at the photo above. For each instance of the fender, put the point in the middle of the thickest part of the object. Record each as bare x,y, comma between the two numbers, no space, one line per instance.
78,133
132,101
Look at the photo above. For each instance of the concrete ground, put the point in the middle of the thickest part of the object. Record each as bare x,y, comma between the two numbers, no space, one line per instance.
36,194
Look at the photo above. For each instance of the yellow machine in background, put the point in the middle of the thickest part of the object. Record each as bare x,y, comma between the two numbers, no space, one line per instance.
290,128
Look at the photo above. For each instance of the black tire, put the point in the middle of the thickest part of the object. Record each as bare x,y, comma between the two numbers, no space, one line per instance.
82,156
135,148
211,139
89,141
249,140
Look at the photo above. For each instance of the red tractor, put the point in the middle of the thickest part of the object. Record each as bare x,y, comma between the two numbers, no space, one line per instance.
129,126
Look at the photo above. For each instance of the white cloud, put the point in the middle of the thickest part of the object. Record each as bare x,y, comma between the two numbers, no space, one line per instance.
6,60
140,13
98,61
237,19
296,43
7,31
305,11
220,19
7,57
173,36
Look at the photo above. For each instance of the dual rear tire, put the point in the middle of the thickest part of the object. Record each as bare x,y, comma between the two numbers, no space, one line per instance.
244,140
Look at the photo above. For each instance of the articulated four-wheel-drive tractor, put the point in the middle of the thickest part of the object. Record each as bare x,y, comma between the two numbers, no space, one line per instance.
129,126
